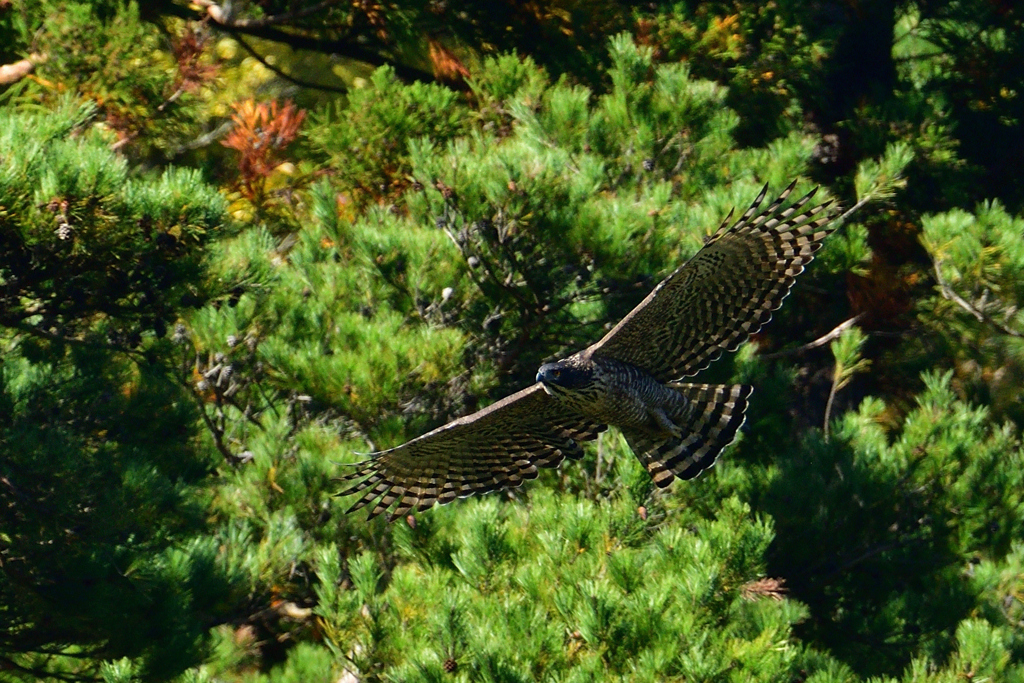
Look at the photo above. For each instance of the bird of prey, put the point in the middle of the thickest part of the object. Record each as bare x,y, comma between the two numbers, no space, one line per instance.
631,378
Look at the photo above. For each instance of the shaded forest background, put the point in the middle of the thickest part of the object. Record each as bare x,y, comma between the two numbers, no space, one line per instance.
242,244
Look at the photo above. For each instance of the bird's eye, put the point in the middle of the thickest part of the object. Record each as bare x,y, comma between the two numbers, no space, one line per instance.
556,373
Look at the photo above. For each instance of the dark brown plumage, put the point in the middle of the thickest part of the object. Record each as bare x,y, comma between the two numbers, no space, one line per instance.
629,379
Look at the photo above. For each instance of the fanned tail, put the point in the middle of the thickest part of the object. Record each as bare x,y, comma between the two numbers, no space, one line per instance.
709,422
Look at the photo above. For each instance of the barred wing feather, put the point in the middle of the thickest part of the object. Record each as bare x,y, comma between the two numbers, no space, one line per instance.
495,448
724,294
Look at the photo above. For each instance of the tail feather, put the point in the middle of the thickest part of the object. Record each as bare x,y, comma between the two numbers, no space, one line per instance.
713,415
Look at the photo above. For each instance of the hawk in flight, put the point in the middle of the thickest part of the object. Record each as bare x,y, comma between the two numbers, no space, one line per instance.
631,378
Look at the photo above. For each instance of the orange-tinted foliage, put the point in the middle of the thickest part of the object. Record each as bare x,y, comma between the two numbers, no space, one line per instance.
261,132
447,67
188,49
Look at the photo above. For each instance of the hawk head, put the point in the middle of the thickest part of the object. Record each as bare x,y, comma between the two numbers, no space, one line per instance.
565,376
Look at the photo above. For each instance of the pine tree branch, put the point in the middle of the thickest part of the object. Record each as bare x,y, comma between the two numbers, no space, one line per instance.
53,336
831,399
872,552
490,268
950,294
15,71
854,209
205,139
41,674
292,79
249,417
171,100
215,432
820,341
827,569
299,41
216,12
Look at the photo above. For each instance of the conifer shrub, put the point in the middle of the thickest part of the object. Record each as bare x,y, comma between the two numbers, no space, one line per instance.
182,394
102,508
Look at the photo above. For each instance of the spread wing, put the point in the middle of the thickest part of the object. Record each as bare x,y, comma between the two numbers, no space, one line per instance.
724,294
497,447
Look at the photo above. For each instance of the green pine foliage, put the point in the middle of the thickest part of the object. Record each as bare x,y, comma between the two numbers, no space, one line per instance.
85,243
106,53
103,506
977,259
875,529
965,57
760,50
503,596
193,354
366,141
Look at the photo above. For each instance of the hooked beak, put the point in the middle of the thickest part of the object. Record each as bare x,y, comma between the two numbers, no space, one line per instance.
543,374
542,377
